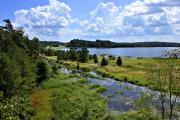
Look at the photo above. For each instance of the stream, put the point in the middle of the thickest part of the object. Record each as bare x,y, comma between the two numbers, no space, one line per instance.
120,95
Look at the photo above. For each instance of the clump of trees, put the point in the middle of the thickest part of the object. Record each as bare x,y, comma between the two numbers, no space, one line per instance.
18,58
119,61
104,61
73,54
50,52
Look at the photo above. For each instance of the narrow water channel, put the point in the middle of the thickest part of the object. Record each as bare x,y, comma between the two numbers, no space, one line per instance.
120,95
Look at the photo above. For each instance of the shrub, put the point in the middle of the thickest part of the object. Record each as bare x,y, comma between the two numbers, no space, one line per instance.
82,80
16,108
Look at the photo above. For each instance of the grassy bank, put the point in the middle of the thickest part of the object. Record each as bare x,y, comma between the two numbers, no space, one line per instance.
133,69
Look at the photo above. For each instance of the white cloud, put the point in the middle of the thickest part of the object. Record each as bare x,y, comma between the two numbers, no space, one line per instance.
47,20
106,21
148,17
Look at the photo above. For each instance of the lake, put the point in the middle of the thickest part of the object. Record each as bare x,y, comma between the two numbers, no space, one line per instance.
130,52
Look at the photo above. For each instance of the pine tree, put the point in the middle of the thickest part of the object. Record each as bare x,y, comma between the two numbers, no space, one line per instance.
43,72
83,55
104,61
119,61
77,66
95,58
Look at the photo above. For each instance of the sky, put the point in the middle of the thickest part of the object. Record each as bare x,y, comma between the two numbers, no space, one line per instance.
115,20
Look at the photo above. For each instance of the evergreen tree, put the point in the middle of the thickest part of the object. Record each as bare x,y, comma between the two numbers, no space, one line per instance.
61,55
43,71
83,55
17,70
95,58
77,67
72,54
110,57
119,61
104,61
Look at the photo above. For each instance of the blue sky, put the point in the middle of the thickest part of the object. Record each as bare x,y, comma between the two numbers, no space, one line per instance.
115,20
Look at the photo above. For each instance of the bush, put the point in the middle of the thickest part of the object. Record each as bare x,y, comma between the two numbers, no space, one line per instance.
16,108
85,69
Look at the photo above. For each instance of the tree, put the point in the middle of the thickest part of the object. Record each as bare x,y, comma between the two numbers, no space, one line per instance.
77,66
60,55
17,70
83,55
104,61
110,57
43,71
119,61
50,52
72,54
158,77
95,58
164,76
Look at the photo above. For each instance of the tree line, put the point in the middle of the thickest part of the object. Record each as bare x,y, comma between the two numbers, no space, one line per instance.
73,54
109,44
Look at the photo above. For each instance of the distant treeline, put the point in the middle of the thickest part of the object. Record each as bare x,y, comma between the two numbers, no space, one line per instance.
52,43
109,44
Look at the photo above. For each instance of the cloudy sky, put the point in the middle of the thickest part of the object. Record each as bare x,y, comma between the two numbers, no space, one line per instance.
115,20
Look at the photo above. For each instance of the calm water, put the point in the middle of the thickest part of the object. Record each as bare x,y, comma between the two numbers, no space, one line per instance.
130,52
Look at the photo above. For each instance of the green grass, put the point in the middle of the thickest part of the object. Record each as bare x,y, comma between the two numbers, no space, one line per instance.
134,69
65,98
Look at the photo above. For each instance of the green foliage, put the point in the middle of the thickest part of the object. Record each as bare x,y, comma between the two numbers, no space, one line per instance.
140,115
16,108
82,80
43,71
17,61
83,55
77,67
54,68
95,58
61,55
108,44
73,55
119,61
50,52
104,61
